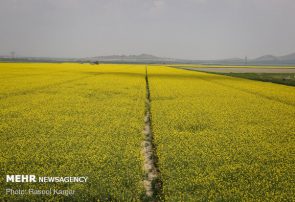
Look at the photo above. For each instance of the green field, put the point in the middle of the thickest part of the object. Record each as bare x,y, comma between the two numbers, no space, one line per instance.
286,79
214,137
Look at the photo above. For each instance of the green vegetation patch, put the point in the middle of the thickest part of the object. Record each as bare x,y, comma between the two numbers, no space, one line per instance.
281,78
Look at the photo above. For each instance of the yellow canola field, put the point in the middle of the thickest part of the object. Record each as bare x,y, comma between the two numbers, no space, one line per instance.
73,120
220,138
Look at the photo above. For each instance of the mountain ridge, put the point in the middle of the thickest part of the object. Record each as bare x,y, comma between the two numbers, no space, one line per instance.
144,56
288,59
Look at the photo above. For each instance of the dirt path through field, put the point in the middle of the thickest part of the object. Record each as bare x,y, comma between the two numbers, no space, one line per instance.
152,181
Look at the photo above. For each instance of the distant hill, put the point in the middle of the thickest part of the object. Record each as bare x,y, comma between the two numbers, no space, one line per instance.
263,60
130,58
147,58
271,59
266,58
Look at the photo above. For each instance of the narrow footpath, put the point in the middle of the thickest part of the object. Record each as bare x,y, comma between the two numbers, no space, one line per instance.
152,181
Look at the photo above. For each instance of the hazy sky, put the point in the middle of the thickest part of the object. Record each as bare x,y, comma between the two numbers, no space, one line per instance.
189,29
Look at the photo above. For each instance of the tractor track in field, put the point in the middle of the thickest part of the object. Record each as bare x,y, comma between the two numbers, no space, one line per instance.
152,179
